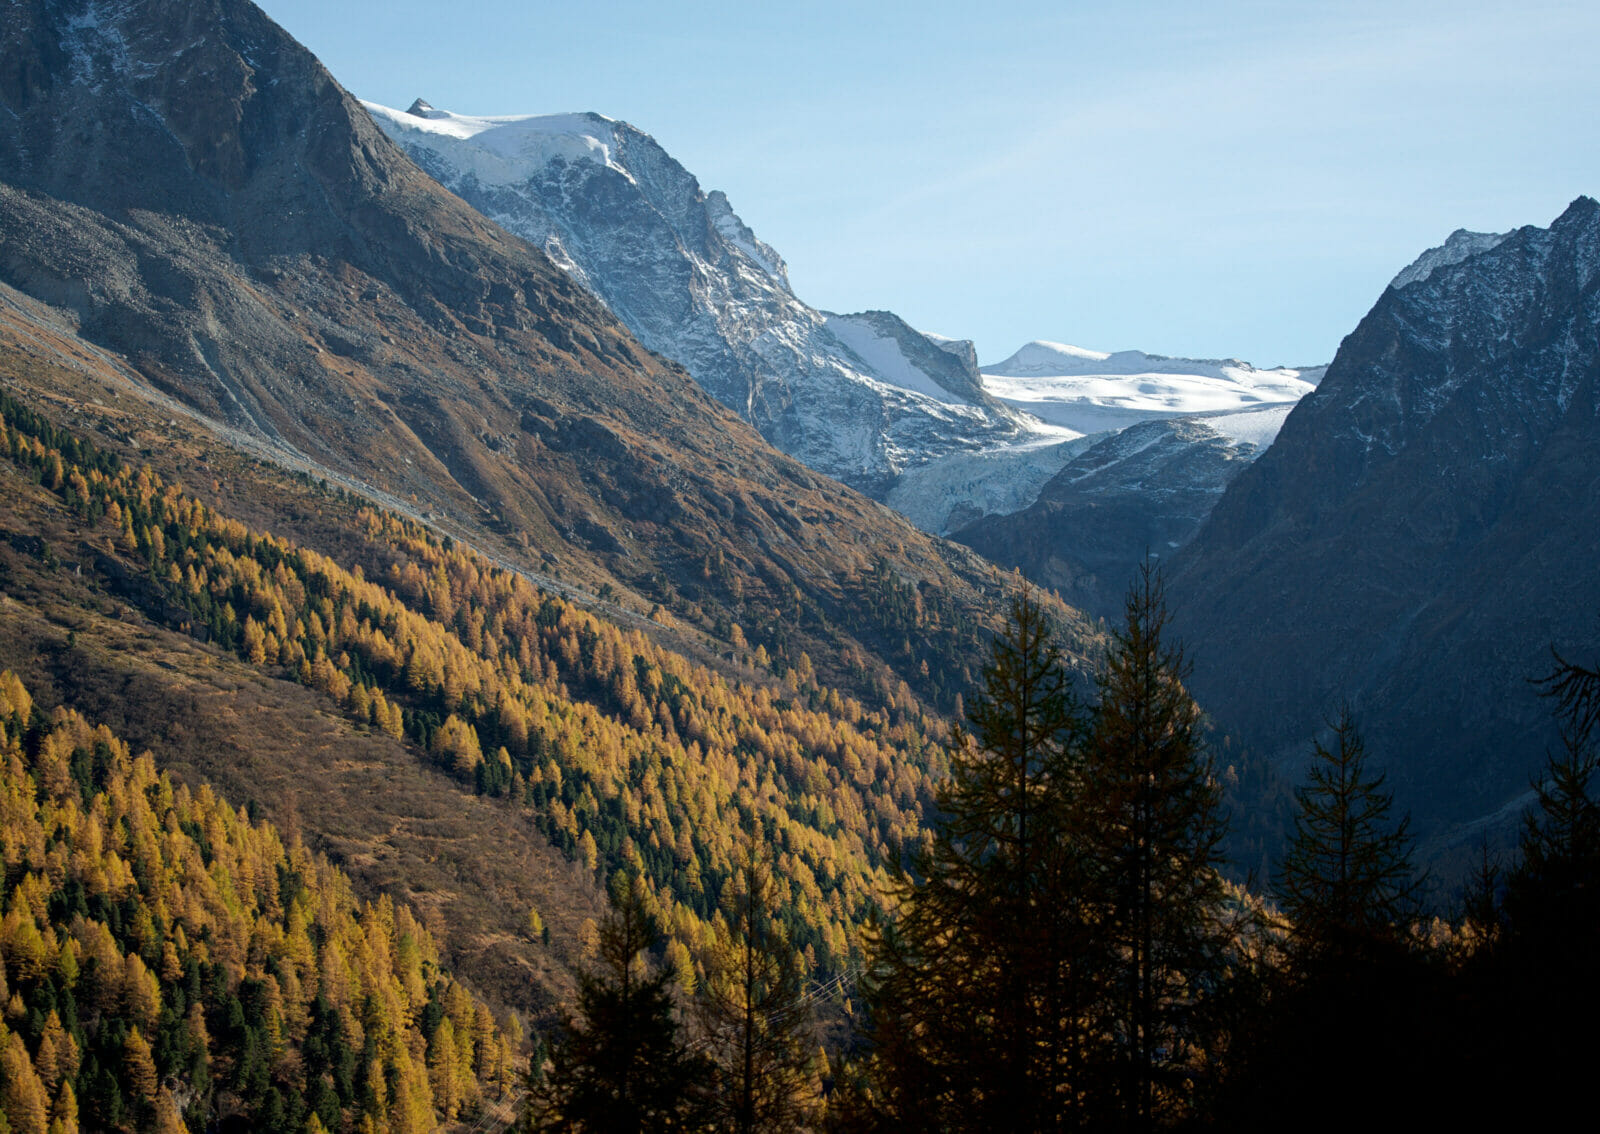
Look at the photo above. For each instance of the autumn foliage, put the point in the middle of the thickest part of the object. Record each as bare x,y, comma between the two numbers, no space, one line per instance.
633,757
168,961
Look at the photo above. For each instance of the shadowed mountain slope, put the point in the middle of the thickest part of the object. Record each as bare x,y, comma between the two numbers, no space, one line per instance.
1423,528
1144,490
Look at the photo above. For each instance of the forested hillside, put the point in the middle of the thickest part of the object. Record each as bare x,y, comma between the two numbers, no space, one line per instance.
628,755
685,785
169,961
250,256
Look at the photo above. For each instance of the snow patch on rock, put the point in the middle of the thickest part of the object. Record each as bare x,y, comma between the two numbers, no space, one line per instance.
858,397
1251,427
504,149
883,356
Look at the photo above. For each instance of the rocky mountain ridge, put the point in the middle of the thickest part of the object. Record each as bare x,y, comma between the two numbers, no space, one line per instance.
857,397
1421,532
906,416
185,187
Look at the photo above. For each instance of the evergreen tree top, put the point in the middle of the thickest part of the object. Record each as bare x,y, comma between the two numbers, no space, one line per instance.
1347,877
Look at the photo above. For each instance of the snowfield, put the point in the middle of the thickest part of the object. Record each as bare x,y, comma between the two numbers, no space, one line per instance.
505,149
1091,391
885,358
1251,427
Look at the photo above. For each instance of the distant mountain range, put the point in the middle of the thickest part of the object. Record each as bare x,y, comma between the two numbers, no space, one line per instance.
1089,391
903,415
857,397
1160,440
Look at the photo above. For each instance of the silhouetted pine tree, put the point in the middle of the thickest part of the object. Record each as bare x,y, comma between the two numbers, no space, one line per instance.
1538,973
1576,691
623,1067
1150,818
1347,883
1354,1000
977,1001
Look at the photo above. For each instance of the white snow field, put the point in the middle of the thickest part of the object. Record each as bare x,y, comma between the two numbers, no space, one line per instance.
506,149
1091,391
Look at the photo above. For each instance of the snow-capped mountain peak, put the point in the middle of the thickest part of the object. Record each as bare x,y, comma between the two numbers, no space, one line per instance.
1090,391
864,397
501,149
1459,246
859,397
1044,357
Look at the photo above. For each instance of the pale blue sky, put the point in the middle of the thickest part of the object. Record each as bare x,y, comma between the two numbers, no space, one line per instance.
1189,177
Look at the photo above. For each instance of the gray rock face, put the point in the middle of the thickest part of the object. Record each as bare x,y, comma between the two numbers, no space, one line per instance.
1145,489
1423,529
858,397
202,196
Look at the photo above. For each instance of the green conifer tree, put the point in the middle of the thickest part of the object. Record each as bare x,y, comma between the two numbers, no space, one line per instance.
1347,883
976,994
1150,815
1353,998
624,1066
